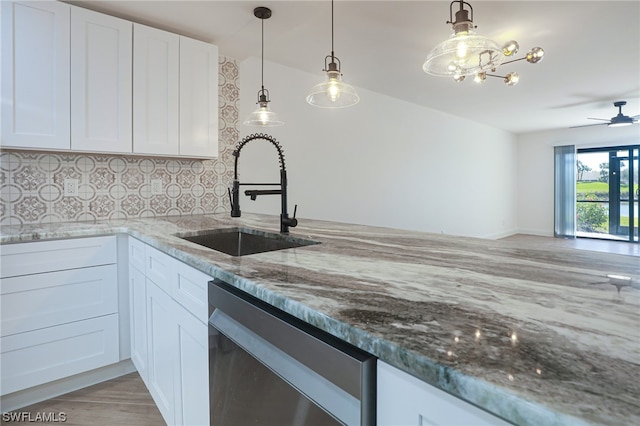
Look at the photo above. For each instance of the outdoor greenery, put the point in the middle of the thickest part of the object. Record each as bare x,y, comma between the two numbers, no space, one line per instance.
592,217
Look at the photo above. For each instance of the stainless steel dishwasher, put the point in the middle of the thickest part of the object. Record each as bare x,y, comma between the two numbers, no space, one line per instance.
268,368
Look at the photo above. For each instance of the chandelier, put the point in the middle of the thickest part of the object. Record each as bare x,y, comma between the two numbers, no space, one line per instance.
466,53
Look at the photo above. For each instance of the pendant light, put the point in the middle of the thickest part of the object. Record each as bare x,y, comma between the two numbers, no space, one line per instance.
333,93
263,116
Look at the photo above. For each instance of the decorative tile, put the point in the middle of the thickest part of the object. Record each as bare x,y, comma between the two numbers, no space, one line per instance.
102,206
119,186
186,179
68,208
132,205
102,178
30,209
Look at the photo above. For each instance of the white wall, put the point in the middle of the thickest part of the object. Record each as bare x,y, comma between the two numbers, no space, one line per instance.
535,169
382,162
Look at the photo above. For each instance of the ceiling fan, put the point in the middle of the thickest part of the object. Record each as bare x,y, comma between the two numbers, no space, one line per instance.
617,121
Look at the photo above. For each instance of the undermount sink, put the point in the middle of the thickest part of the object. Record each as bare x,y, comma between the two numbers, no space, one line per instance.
244,241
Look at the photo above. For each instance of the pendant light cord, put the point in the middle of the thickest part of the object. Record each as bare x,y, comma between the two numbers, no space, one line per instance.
332,54
262,68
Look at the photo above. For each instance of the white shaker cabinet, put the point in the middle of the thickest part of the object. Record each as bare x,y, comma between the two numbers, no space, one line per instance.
155,91
403,400
35,75
169,333
101,56
198,98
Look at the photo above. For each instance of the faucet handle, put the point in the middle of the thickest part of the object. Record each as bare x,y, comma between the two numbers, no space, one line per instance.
292,221
230,198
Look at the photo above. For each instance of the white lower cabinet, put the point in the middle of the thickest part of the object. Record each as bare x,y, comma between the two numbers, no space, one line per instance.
59,310
169,333
404,400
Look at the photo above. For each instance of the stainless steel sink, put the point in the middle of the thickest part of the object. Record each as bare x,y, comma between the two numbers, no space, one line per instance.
244,241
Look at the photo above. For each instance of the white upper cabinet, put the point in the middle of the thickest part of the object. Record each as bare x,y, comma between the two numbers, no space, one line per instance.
155,91
79,80
198,98
101,52
35,75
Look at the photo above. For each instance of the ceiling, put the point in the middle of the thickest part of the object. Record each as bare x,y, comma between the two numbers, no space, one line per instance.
592,50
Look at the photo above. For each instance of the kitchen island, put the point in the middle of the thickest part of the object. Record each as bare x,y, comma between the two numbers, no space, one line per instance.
535,336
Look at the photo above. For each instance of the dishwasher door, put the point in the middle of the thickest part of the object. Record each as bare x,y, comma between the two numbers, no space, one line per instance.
269,368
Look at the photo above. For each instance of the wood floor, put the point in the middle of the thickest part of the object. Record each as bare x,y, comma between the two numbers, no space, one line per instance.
606,246
121,401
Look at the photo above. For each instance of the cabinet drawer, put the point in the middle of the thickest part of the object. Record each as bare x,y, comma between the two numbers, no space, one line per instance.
158,268
40,356
46,256
30,302
189,288
136,253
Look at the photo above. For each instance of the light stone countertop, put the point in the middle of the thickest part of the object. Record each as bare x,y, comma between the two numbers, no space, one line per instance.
536,335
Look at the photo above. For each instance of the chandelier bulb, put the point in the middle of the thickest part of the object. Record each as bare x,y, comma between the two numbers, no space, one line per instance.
510,48
535,55
511,79
480,77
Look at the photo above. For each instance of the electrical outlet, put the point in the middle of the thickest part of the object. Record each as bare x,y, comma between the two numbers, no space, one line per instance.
70,187
156,186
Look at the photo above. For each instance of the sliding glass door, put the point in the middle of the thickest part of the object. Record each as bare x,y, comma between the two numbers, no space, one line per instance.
607,193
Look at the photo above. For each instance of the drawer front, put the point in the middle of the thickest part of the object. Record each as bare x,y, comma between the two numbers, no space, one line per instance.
40,356
136,253
46,256
159,268
189,288
31,302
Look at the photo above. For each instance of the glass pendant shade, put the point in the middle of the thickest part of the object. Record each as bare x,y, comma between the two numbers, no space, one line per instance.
263,117
333,93
463,54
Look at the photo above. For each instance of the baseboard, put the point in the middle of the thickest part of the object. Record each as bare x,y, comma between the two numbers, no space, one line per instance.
500,235
59,387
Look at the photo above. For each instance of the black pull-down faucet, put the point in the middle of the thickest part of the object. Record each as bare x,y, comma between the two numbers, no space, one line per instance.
234,194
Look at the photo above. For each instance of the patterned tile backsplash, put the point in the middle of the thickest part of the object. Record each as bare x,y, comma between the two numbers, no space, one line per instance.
120,186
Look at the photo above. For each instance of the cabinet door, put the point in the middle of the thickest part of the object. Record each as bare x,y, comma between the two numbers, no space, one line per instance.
192,372
198,98
155,91
35,75
101,49
405,400
162,344
138,322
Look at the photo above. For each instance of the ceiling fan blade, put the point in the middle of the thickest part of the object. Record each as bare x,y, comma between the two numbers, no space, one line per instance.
601,119
589,125
636,117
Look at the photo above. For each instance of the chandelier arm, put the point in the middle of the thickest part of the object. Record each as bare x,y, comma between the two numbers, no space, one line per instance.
514,60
